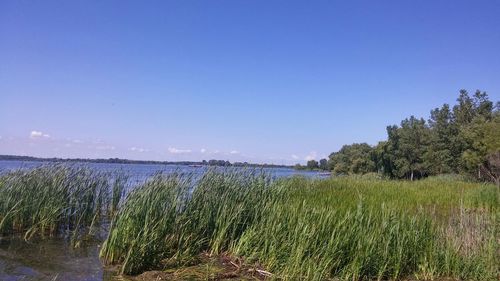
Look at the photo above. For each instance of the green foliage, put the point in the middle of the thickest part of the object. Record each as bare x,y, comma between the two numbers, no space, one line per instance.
482,155
323,164
312,164
408,144
491,134
444,144
352,159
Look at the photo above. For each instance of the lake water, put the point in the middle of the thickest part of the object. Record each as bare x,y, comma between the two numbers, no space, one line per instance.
51,259
55,260
140,172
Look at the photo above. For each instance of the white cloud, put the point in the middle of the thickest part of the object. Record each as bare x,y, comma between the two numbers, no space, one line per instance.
138,149
311,156
105,147
35,134
203,150
234,152
174,150
38,134
295,157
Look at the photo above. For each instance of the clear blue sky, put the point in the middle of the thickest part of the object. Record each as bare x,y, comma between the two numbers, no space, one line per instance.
260,81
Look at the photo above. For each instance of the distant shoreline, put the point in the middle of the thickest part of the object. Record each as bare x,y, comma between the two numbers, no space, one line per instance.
142,162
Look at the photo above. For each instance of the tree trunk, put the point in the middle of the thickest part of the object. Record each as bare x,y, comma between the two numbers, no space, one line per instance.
411,177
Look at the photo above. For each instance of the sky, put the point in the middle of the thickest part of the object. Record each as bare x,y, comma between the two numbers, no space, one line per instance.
260,81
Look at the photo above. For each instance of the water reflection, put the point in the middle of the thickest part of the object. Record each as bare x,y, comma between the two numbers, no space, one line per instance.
51,259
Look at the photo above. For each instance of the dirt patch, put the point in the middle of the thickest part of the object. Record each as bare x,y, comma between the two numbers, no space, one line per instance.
222,267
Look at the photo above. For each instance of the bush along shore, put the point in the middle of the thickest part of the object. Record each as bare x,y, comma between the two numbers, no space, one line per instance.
290,229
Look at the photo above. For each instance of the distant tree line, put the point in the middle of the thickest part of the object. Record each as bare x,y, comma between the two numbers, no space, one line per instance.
213,162
463,139
314,165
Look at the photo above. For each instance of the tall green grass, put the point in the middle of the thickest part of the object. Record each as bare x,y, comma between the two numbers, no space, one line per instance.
56,199
168,220
302,229
357,229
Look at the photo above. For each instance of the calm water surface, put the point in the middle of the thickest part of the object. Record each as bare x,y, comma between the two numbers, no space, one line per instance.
55,259
51,259
140,172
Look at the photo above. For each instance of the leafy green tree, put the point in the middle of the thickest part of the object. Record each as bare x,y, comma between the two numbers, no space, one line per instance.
484,139
384,157
298,167
483,106
471,114
464,111
491,141
312,164
323,164
408,145
444,144
356,158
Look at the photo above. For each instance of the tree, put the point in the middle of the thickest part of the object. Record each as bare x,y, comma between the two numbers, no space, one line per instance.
298,167
356,158
483,106
221,163
476,117
408,145
312,164
491,167
323,164
384,157
483,153
464,111
444,145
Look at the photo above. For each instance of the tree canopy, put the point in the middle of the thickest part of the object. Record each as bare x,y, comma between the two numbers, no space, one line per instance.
352,159
463,139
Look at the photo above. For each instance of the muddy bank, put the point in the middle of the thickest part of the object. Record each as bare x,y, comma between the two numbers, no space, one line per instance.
209,268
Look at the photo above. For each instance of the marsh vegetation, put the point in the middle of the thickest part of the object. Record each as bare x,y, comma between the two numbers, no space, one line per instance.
312,230
291,229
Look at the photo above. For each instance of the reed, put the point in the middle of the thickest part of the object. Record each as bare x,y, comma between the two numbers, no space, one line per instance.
170,219
357,229
301,229
54,199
